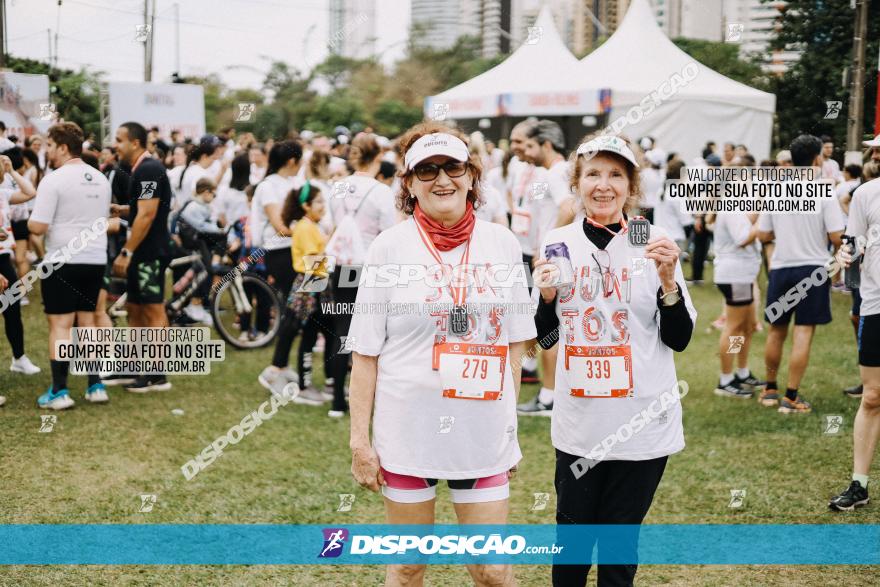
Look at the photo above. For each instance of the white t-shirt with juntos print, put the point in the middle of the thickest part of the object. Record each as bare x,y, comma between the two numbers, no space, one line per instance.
612,364
417,429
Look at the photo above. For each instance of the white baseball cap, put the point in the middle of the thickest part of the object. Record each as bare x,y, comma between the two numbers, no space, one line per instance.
610,144
435,144
874,143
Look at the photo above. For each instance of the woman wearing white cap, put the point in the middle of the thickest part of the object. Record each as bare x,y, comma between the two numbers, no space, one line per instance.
440,376
361,207
621,308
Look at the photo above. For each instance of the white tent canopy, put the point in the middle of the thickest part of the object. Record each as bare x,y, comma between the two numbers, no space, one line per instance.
526,83
638,59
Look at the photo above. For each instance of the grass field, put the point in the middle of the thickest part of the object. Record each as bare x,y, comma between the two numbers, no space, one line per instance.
98,460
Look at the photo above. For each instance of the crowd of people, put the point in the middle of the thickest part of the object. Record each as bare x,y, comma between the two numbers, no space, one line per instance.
605,316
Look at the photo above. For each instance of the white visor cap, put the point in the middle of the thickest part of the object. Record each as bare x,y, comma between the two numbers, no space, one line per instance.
435,144
608,144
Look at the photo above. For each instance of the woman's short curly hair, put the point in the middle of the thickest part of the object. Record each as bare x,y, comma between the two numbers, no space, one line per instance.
577,162
406,203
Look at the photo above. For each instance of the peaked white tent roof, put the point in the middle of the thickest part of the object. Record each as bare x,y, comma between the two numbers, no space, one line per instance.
639,59
526,83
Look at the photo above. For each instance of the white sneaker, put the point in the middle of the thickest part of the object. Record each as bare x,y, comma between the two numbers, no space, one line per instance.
309,397
24,365
97,394
199,314
2,400
272,380
53,401
336,414
25,301
289,374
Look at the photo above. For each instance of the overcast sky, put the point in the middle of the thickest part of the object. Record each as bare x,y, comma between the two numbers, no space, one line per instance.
228,37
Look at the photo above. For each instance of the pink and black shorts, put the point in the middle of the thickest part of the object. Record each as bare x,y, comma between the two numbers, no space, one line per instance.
408,489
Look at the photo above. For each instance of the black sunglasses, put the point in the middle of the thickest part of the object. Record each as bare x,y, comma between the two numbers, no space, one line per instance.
430,171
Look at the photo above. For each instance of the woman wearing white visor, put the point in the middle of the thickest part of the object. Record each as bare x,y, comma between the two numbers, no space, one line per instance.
621,308
438,372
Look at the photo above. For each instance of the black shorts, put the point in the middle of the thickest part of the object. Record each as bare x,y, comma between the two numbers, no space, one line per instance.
145,282
869,341
802,291
737,294
20,230
72,288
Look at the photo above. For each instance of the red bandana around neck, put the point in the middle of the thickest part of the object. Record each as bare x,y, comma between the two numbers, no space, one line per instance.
446,239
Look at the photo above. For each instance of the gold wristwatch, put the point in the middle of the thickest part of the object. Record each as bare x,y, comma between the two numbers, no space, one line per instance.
670,298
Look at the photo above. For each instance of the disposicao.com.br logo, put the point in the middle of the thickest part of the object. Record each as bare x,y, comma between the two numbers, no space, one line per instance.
448,544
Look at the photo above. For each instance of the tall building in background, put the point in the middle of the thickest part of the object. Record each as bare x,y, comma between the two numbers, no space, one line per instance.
593,21
439,23
692,19
702,19
352,28
758,23
668,15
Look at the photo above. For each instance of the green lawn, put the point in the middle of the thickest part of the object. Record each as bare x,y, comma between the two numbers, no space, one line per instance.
99,459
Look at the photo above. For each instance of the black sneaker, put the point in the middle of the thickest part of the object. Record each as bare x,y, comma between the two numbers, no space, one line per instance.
750,382
733,389
855,391
143,384
529,377
855,496
535,408
118,379
184,320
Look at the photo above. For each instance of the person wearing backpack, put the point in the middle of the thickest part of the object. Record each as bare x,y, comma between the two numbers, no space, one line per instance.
361,207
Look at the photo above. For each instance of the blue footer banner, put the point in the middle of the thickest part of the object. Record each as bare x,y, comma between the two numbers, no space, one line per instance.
257,544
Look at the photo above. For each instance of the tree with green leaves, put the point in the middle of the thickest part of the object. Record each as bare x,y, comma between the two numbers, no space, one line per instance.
725,59
824,32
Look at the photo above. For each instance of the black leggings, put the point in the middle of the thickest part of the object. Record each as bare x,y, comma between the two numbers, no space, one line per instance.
612,492
317,322
279,266
338,361
12,314
702,241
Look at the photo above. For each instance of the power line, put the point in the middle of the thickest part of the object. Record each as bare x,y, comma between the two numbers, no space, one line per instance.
170,19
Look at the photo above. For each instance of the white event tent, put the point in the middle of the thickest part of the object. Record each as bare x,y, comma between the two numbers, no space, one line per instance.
543,78
638,58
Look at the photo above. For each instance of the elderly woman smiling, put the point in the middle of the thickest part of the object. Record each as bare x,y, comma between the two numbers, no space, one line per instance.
440,384
621,308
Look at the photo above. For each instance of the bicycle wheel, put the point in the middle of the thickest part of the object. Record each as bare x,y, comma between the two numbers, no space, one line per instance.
246,311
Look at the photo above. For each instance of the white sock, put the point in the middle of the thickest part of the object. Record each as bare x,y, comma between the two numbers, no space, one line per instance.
726,378
743,372
530,364
862,479
545,396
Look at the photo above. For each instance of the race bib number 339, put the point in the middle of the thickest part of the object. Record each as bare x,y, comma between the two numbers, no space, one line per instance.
471,371
599,371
